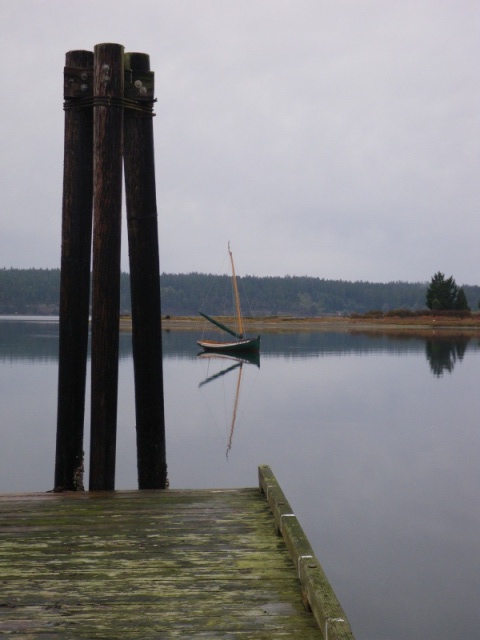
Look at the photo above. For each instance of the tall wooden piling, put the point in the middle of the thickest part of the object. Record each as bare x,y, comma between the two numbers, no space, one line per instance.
108,130
96,100
75,268
144,272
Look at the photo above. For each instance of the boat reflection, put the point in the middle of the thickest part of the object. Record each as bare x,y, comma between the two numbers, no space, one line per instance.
238,363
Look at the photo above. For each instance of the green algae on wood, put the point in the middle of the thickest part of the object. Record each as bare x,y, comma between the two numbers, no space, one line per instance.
317,591
149,564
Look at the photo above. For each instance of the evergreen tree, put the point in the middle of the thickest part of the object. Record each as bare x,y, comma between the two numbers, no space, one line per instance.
442,293
461,302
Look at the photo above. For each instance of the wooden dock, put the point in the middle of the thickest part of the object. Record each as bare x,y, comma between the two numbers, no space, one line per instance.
161,564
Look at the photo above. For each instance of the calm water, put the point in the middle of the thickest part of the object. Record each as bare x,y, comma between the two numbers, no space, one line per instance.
374,440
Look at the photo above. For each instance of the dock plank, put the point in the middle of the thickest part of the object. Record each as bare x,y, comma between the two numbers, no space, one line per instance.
148,564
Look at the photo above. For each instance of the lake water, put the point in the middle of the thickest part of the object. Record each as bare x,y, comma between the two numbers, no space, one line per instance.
375,441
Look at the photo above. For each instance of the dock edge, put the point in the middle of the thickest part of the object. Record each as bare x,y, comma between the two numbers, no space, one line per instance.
317,593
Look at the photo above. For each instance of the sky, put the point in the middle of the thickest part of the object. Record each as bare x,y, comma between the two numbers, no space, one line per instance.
338,139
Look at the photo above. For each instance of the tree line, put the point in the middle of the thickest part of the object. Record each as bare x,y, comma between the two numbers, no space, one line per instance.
36,291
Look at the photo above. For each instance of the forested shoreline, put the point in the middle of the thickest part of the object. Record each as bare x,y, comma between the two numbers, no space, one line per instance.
37,292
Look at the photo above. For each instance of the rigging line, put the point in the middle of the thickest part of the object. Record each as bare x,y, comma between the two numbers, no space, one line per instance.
215,276
245,297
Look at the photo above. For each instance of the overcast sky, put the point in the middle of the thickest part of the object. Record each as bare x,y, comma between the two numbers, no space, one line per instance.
330,138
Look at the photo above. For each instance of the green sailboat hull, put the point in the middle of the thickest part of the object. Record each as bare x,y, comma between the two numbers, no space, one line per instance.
245,345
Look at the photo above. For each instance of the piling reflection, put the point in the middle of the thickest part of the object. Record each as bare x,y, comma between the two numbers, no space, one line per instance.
238,364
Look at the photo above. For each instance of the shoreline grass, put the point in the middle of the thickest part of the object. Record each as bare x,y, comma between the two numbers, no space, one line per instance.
423,324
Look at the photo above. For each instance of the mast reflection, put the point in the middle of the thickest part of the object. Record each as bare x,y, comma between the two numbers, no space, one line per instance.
238,364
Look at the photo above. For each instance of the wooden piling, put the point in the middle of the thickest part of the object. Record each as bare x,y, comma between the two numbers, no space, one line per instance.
108,130
96,99
144,272
75,269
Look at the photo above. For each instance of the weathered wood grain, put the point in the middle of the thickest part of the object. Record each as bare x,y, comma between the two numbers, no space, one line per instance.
108,90
75,270
143,252
147,564
317,591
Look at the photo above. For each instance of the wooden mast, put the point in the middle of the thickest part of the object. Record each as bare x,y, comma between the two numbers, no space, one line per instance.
237,297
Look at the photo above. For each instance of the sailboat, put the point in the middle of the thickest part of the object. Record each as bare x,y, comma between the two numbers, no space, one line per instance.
240,342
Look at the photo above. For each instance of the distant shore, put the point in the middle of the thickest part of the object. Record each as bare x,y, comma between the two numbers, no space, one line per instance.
283,324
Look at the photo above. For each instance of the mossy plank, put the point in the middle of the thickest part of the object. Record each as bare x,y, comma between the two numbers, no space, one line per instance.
317,591
147,564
